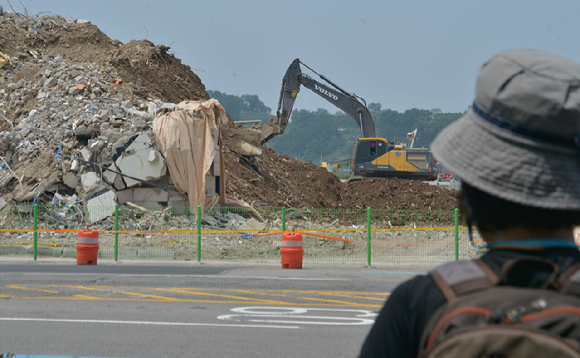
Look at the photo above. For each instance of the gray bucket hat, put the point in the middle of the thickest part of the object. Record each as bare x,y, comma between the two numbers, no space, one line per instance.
520,139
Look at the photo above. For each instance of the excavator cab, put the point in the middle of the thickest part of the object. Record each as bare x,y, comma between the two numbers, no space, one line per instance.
377,157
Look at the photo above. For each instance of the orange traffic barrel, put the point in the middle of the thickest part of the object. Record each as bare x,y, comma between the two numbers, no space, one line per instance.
88,247
291,250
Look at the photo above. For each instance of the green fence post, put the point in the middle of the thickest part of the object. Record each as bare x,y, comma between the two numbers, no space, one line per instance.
456,234
369,236
116,232
35,231
283,218
199,233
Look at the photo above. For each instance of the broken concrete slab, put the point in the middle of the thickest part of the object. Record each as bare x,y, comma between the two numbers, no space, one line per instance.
90,181
252,225
101,206
248,149
110,176
149,205
250,135
125,196
150,194
35,190
86,154
134,162
71,180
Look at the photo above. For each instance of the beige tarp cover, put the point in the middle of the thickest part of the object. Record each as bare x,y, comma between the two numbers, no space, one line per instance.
187,137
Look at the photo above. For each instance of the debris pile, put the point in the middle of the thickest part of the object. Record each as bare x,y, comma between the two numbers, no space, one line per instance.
76,113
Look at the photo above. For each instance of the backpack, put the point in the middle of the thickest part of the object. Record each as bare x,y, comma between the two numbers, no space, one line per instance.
487,316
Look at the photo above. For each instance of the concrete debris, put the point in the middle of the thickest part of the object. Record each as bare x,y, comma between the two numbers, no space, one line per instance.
64,124
70,180
90,181
101,206
135,162
252,225
248,149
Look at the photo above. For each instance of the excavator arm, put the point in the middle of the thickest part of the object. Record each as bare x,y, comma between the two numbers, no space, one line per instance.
348,102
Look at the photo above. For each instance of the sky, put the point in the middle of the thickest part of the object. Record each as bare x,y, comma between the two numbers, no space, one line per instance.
402,54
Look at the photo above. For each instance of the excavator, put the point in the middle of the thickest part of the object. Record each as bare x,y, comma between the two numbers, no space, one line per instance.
372,156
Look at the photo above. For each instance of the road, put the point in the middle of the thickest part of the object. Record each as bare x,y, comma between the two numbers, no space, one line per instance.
185,309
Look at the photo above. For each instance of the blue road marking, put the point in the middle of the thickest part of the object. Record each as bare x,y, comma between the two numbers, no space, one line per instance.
21,356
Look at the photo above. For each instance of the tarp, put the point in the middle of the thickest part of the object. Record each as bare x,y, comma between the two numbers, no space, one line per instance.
187,137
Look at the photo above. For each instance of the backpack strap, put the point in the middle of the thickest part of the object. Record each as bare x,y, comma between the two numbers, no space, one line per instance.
570,280
461,277
517,267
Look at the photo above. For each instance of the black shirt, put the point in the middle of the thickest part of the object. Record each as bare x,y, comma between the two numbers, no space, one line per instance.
398,328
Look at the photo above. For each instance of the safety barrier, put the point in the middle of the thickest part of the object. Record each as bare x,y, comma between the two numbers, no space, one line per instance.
125,232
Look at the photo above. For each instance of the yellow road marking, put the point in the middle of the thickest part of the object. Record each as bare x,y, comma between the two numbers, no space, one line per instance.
333,301
256,300
230,299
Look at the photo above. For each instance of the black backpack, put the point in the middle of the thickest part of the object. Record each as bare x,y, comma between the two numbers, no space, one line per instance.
487,316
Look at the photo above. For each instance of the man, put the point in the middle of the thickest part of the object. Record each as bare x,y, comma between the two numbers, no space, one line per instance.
517,151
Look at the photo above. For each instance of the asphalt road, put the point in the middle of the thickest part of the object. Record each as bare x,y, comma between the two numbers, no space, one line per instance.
185,309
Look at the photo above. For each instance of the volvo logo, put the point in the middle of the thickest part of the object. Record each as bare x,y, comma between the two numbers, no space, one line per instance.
326,92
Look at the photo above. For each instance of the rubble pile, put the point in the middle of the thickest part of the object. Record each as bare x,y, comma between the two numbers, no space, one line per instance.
76,113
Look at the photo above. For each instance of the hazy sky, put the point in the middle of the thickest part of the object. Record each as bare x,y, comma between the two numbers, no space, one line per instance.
403,54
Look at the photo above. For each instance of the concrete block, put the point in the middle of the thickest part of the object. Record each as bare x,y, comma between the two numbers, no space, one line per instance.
86,154
134,162
150,205
148,194
101,206
71,180
51,82
248,149
110,176
248,134
125,196
90,181
252,225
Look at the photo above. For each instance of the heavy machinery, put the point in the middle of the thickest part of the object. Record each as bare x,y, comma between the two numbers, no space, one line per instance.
372,157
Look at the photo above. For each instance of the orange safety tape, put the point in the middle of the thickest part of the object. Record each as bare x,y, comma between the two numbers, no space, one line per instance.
324,237
242,233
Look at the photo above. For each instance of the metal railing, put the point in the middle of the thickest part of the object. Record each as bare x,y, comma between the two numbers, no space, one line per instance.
126,232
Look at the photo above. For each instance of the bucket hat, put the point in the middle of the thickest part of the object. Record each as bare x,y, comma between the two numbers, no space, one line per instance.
519,140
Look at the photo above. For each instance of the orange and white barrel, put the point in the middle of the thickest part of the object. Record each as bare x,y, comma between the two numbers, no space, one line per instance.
291,250
87,247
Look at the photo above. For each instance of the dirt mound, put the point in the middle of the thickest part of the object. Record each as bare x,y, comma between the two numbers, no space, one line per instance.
278,180
393,193
159,73
151,69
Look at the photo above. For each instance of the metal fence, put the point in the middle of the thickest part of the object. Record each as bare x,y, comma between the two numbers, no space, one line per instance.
131,232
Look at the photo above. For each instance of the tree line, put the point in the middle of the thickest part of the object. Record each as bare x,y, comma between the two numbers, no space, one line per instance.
315,135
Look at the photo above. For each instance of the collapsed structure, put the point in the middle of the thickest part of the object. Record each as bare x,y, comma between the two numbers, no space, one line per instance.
84,121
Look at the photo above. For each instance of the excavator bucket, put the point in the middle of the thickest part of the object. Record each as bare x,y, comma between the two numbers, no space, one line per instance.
290,88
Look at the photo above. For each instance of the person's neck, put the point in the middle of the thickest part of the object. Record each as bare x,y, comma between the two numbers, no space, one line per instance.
517,234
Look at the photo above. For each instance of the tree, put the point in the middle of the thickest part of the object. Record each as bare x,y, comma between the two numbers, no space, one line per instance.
375,108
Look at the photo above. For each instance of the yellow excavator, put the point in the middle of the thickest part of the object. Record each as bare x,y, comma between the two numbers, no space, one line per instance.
372,156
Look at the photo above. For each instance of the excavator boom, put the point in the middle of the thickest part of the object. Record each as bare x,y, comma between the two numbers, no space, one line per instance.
348,102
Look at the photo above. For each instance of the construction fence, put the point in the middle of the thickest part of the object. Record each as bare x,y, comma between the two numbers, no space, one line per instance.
133,232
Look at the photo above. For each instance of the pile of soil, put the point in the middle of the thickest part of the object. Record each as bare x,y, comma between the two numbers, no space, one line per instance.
155,72
150,71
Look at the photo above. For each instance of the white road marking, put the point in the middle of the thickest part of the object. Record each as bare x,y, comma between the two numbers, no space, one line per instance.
21,319
299,315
